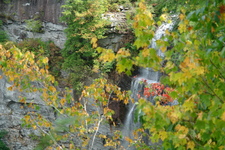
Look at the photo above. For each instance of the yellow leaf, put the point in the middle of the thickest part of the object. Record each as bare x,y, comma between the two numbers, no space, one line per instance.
72,146
45,60
47,124
11,78
223,116
42,71
200,115
163,135
199,70
22,100
34,127
189,104
182,28
107,56
94,45
190,145
123,52
94,40
10,88
163,48
52,89
145,52
182,131
167,32
173,116
7,54
128,139
186,22
58,148
163,17
27,118
102,136
45,95
142,6
62,101
181,16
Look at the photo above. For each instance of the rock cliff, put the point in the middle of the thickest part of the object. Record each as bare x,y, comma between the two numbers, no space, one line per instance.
45,10
11,113
14,14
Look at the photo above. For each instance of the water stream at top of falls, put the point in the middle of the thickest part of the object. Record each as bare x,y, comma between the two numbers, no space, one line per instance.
149,76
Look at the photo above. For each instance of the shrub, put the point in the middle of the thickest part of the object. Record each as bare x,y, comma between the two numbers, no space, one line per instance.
3,35
2,144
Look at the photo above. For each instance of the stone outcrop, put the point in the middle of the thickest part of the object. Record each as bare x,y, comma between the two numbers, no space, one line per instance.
11,113
48,12
17,31
118,33
20,10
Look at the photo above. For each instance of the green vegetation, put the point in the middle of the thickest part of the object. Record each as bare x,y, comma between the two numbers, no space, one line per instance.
196,74
85,26
2,144
46,49
7,1
194,70
3,35
34,25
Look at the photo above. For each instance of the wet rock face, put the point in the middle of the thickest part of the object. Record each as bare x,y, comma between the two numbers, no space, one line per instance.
45,10
48,12
120,110
17,31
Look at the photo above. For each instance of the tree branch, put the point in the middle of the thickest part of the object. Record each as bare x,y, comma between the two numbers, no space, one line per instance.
49,134
217,69
211,90
99,122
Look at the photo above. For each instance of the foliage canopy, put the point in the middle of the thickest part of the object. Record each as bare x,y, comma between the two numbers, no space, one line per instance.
194,67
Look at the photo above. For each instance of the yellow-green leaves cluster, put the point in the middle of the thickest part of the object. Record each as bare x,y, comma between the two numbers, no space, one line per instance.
22,71
195,68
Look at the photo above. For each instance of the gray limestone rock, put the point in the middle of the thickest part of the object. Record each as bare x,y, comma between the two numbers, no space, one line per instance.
11,113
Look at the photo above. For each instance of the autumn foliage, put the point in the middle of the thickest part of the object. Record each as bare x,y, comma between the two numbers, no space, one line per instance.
194,68
193,75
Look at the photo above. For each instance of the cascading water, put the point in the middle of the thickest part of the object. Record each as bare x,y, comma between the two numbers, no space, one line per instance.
148,76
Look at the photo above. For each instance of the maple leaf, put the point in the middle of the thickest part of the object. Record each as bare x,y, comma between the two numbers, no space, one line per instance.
94,42
163,135
223,116
45,60
189,104
181,16
182,28
190,145
163,48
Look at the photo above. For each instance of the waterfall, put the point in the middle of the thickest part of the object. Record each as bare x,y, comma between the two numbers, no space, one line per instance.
148,76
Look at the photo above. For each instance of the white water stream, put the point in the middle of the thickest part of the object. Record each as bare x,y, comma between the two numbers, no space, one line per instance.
149,76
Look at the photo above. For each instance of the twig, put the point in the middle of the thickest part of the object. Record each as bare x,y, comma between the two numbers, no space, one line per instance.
99,122
85,108
211,89
217,69
49,134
